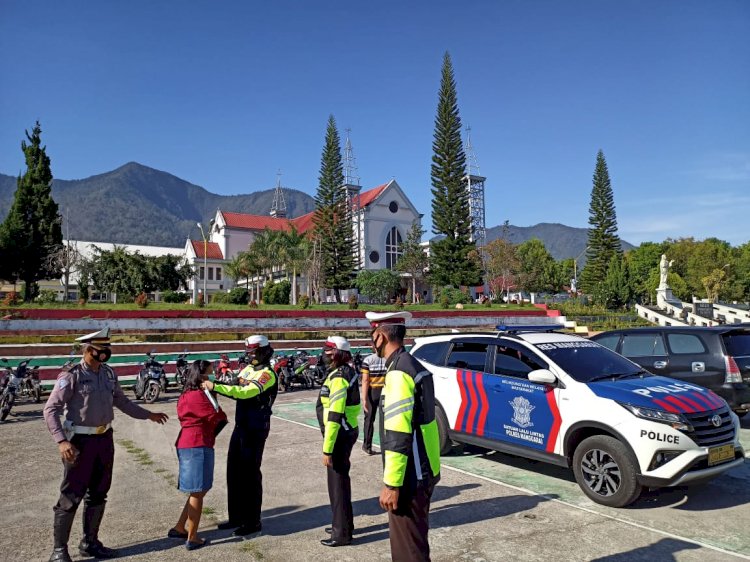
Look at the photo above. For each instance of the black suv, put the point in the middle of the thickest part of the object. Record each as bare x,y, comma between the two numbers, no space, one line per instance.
715,357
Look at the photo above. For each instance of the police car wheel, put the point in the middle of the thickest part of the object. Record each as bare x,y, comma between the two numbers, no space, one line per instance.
606,471
445,442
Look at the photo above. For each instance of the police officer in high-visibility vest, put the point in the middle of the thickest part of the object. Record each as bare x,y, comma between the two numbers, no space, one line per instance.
86,393
338,407
252,424
408,439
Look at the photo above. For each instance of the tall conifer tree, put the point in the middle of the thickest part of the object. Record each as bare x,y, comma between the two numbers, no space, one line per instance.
31,235
332,219
450,263
603,240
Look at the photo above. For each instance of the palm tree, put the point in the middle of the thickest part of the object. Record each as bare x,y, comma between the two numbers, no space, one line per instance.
295,248
266,253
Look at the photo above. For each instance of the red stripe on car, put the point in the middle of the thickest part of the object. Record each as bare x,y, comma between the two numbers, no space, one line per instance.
664,406
464,400
684,406
556,419
484,409
472,402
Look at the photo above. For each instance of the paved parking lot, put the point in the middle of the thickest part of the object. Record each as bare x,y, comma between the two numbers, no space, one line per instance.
488,506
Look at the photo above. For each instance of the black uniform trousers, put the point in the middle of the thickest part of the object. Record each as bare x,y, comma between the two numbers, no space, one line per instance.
244,478
340,486
373,401
90,475
409,524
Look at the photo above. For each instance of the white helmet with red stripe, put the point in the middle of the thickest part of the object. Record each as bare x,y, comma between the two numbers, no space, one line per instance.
254,342
338,342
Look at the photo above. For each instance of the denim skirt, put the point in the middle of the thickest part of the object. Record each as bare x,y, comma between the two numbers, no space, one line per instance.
196,469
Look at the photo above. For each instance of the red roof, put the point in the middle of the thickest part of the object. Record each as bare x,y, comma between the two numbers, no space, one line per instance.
213,251
302,224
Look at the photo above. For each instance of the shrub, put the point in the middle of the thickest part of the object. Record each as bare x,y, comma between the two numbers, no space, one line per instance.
277,293
239,295
199,300
141,301
174,296
304,301
444,301
399,304
12,298
252,304
454,296
409,295
487,302
220,298
353,302
81,302
46,296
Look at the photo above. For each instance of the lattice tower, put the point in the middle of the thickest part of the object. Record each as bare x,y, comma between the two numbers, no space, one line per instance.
475,187
278,207
352,186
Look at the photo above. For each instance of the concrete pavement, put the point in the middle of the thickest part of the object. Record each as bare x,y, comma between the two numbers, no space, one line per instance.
487,506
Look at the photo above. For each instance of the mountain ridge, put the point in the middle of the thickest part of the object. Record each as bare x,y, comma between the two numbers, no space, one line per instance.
146,206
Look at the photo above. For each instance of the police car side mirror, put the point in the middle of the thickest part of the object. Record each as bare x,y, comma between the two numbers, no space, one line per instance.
543,376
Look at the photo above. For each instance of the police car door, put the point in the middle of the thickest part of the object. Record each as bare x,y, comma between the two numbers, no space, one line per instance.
521,412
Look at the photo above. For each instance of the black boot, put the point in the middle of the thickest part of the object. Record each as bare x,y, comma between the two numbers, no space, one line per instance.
90,544
61,532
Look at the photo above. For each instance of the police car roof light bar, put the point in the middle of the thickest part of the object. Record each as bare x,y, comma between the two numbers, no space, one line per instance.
514,329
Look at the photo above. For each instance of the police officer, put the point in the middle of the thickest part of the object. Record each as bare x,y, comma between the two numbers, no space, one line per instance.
252,424
87,392
408,439
338,409
373,378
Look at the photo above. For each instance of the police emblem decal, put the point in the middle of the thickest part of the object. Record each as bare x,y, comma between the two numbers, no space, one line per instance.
522,409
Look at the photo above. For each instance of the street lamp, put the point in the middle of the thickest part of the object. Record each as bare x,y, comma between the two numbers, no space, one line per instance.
205,258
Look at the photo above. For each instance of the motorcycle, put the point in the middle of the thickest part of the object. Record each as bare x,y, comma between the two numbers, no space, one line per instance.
295,370
151,380
223,371
243,361
181,370
21,382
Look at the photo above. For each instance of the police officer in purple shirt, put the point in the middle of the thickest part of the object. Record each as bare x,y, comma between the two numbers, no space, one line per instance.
86,394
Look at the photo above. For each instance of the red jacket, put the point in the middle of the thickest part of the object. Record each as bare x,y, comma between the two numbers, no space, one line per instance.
198,420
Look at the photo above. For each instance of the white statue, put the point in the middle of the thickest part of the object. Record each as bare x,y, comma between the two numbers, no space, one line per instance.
664,266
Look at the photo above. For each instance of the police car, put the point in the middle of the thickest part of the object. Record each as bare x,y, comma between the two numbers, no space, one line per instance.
566,400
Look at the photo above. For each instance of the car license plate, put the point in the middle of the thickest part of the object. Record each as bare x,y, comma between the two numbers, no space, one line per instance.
720,454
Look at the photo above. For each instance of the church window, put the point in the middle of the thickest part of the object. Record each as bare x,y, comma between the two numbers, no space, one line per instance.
393,248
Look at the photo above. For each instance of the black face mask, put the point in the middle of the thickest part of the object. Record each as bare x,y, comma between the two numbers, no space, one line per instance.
102,355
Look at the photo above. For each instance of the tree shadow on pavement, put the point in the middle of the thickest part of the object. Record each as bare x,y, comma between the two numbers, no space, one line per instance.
663,550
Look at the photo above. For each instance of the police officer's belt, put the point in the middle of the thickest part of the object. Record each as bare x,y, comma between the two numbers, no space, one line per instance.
89,430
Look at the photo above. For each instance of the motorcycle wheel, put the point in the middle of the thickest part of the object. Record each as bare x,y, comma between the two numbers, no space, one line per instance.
5,406
151,394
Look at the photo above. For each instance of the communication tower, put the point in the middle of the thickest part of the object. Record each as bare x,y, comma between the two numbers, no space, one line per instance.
278,207
475,187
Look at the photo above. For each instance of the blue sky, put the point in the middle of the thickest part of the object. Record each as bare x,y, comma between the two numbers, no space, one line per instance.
223,94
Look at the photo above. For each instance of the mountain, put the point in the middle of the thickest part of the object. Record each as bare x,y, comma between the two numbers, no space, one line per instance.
561,241
135,204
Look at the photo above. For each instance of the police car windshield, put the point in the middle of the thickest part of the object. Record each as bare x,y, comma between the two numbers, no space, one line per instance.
587,361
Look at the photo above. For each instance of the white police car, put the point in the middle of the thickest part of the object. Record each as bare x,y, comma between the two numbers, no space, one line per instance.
566,400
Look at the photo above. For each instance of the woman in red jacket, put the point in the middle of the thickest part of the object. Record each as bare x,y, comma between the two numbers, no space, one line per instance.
199,420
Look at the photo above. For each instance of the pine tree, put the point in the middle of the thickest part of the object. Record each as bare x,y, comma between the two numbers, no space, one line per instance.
31,235
332,219
603,241
450,262
413,260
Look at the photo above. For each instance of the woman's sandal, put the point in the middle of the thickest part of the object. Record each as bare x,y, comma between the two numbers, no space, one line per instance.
195,545
175,534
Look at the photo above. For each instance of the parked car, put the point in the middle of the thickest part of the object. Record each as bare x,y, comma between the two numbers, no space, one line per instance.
566,400
715,357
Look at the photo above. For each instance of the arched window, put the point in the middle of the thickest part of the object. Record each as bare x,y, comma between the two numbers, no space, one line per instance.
393,250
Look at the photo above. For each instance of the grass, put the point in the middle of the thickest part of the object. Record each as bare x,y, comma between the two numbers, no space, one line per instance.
251,548
208,511
141,456
270,308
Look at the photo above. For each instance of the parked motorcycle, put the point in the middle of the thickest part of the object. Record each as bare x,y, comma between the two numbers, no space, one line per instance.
181,370
19,382
296,371
152,379
223,372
